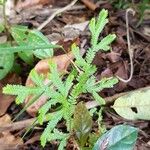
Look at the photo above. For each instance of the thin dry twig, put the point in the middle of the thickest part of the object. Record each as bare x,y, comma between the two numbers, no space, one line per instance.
17,125
130,50
89,4
56,13
111,99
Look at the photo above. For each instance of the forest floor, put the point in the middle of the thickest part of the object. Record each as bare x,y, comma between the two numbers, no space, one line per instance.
71,26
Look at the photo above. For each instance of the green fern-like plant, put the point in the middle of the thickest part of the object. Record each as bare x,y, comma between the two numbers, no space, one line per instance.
63,94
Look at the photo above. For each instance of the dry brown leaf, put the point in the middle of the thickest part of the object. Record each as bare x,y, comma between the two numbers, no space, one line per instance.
6,100
42,67
122,71
7,140
29,3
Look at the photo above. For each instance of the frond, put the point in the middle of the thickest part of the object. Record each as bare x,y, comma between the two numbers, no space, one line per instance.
60,136
36,78
96,27
44,109
50,126
104,43
68,83
99,99
68,111
105,83
55,78
79,60
21,91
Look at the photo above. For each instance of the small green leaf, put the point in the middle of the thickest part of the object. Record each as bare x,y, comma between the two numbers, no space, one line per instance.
26,37
134,105
82,123
6,62
121,137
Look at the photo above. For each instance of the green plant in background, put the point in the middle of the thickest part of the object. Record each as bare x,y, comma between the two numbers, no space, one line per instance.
63,94
22,42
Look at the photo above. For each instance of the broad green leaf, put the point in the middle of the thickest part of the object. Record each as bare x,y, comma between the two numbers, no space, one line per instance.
135,105
26,37
6,62
82,123
121,137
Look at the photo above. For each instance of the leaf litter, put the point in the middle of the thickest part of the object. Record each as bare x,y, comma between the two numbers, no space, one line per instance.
115,62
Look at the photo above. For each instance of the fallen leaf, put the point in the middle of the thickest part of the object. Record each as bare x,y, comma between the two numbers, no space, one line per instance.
28,3
42,67
121,68
135,105
7,140
113,56
5,100
119,137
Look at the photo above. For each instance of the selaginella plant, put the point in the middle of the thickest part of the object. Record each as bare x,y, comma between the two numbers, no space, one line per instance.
63,91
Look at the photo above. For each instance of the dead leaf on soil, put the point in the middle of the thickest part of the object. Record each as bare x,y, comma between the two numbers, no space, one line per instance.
28,3
42,67
6,100
121,71
7,140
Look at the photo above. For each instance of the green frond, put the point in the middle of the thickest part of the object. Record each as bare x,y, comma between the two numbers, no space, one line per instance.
99,26
50,126
36,78
68,83
104,43
96,28
90,55
101,20
21,91
68,111
90,83
44,109
80,87
99,99
92,26
105,83
55,78
76,51
59,136
62,144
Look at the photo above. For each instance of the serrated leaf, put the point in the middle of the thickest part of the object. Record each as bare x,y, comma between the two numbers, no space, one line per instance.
134,105
6,62
121,137
99,99
82,123
104,44
24,36
92,25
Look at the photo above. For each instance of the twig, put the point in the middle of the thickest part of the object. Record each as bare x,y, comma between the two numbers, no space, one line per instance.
56,13
17,125
130,51
89,4
111,99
